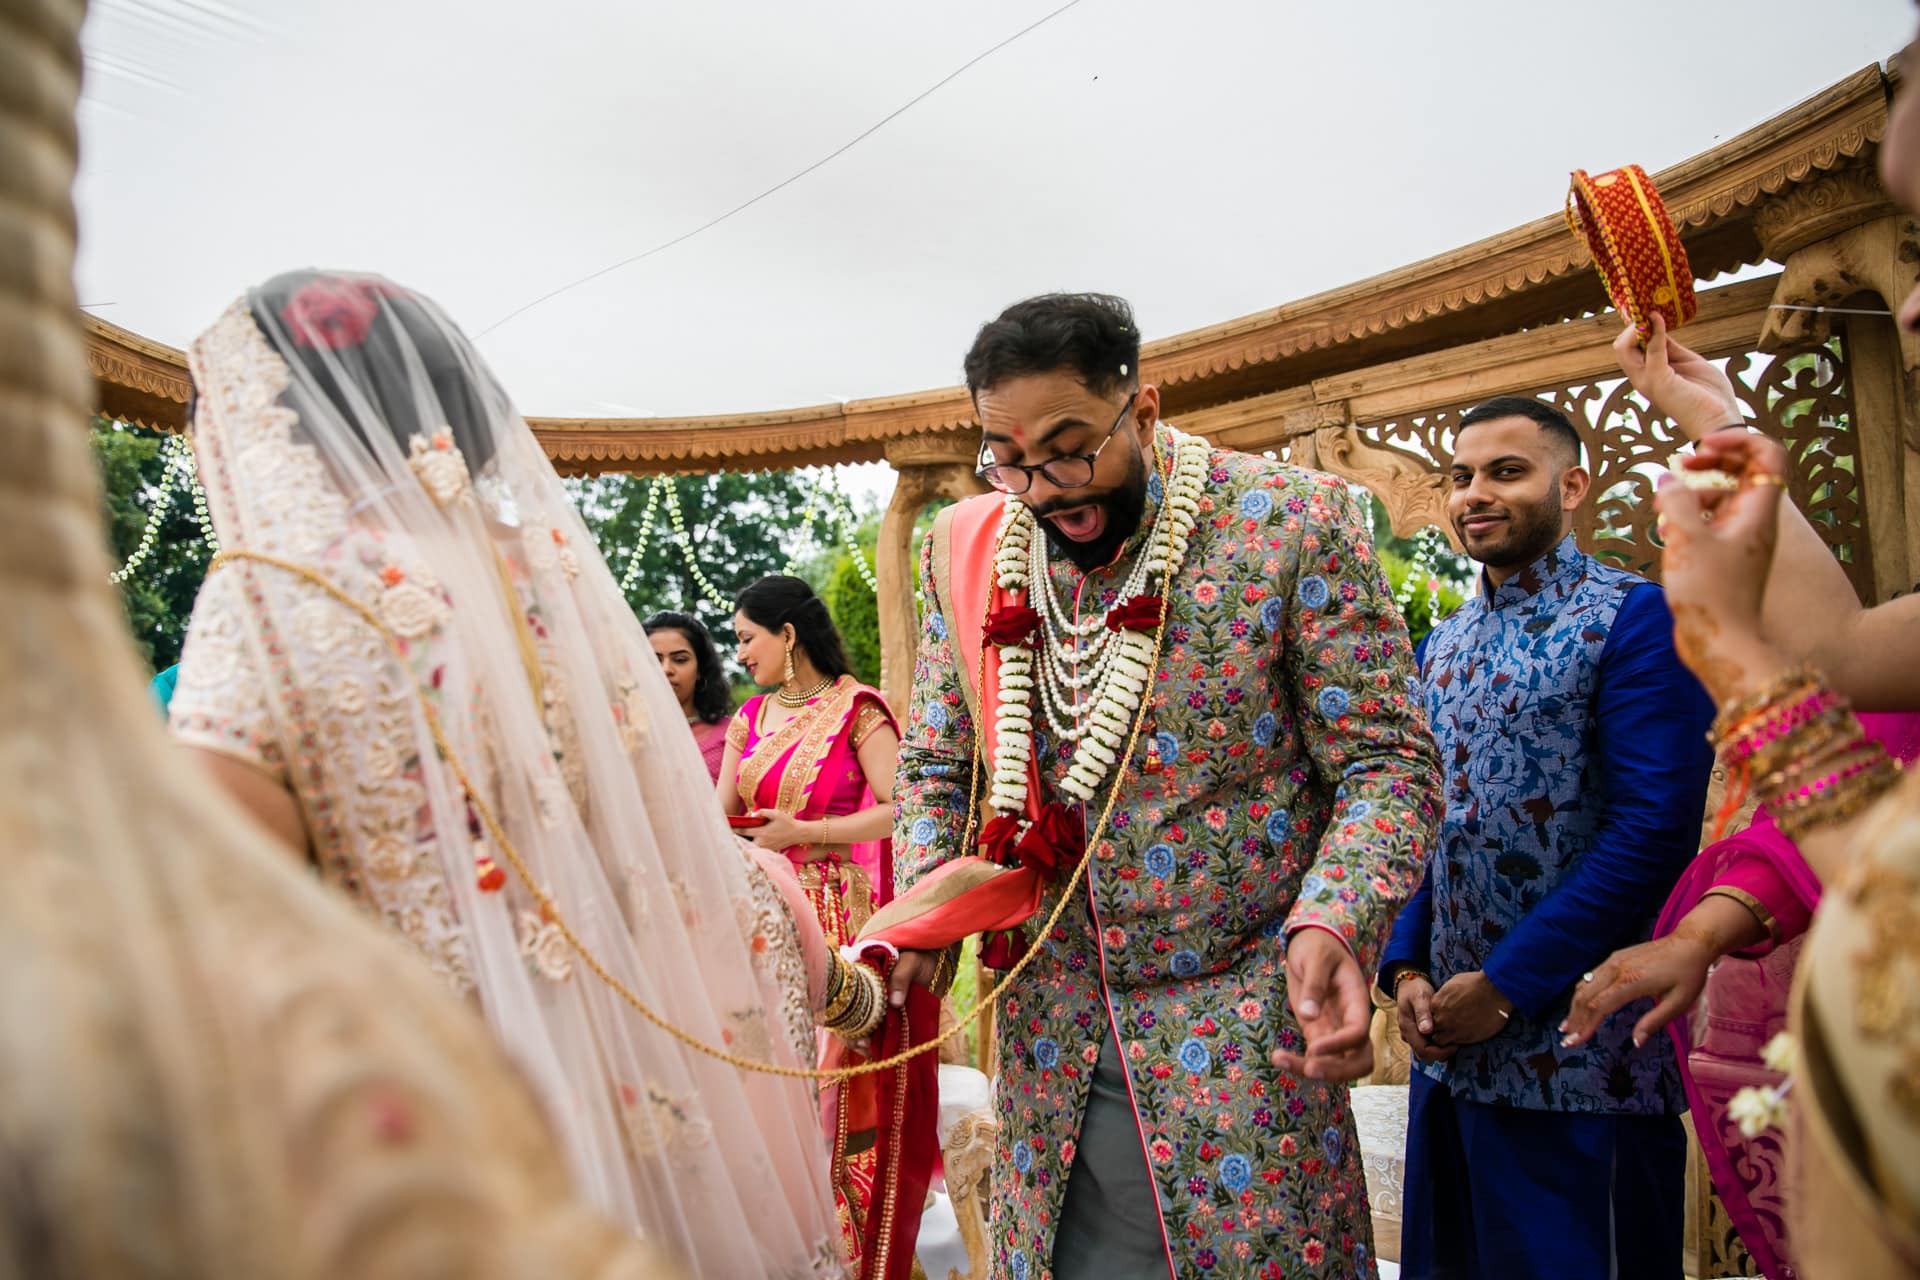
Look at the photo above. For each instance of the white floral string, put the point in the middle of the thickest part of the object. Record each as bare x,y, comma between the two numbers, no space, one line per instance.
632,575
178,460
1757,1108
1117,662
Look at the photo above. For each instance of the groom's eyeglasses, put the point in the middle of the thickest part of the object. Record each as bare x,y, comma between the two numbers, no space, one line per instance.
1068,471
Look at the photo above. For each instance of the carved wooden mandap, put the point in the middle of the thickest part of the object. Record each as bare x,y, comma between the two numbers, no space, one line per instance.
1366,380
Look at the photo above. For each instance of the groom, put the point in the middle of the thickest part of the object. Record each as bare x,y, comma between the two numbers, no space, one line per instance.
1172,1059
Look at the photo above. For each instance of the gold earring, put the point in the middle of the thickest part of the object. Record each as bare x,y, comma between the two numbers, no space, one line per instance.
787,677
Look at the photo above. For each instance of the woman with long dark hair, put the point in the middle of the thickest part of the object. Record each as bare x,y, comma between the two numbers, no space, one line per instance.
814,758
692,667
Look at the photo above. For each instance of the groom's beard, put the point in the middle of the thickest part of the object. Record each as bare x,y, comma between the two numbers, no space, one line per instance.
1124,506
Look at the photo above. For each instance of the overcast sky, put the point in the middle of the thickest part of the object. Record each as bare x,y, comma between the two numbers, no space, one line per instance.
1205,159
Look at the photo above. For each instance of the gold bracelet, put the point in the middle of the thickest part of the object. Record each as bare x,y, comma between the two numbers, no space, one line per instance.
826,829
836,982
1735,714
865,1010
844,992
1832,733
1839,795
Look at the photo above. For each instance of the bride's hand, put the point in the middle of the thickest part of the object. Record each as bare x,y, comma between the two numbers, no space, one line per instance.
1719,545
782,830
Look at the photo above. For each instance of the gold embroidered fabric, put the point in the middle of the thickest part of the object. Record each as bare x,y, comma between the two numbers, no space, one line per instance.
219,698
1857,1013
866,718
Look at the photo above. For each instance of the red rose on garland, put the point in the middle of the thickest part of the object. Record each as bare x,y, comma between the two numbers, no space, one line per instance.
998,838
1012,624
1140,613
329,313
1002,951
1054,842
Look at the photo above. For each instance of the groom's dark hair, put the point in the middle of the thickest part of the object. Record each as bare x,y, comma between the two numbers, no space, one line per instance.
1090,335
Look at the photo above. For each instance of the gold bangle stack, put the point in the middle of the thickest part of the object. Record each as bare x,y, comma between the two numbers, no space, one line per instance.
1811,762
856,1001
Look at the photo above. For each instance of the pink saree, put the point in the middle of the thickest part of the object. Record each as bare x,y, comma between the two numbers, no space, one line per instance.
810,767
1745,1005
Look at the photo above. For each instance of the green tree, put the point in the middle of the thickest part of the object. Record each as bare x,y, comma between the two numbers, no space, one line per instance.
851,599
158,595
739,527
1398,556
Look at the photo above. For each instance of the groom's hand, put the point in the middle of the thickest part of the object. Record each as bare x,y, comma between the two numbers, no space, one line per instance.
912,967
1330,999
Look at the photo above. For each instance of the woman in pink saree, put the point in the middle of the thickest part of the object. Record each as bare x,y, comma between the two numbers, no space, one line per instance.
1729,939
810,765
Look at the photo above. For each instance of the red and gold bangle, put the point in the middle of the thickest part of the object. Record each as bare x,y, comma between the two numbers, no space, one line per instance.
1618,215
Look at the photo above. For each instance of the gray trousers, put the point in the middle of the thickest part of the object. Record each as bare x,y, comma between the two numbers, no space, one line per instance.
1110,1225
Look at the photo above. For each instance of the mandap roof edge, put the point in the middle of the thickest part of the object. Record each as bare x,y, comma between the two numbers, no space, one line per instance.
1530,275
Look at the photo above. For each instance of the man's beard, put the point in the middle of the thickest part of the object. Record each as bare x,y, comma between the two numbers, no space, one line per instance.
1124,505
1531,533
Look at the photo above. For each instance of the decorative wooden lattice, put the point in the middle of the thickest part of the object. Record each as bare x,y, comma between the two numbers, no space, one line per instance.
1801,398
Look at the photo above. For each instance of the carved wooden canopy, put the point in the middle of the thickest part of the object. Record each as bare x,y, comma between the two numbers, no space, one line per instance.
1737,204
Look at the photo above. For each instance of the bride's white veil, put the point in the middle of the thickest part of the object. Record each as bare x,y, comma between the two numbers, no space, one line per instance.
345,426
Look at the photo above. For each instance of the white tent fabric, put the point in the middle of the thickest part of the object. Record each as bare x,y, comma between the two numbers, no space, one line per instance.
1206,160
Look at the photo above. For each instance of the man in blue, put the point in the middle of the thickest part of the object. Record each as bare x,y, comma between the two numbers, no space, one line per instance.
1574,747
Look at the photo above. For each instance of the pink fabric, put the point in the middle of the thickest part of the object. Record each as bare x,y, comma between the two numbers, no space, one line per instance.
713,744
1745,1005
840,788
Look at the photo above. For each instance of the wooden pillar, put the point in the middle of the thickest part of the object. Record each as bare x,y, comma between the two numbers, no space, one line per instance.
1839,241
1889,464
927,467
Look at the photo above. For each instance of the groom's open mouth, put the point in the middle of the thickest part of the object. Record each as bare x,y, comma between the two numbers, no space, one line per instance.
1081,524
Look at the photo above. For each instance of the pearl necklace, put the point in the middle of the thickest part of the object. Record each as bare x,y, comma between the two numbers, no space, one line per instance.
1116,662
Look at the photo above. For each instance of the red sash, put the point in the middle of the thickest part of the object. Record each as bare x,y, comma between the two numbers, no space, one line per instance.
965,895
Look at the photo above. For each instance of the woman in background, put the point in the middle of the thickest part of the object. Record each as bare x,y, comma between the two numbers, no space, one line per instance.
692,667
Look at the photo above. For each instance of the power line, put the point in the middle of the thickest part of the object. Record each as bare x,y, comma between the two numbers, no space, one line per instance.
777,187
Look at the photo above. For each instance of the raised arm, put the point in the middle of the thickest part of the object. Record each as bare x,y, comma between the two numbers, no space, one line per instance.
1809,609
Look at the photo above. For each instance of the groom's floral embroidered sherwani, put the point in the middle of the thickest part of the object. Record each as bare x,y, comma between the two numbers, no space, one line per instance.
1289,785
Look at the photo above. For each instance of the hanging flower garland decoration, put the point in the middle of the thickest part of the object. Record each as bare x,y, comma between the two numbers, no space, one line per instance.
850,539
1100,666
179,462
632,575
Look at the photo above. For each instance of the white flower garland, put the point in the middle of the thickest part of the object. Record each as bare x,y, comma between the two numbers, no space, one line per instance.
1119,661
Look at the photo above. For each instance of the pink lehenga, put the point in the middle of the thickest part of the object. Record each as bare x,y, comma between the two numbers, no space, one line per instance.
1745,1005
810,767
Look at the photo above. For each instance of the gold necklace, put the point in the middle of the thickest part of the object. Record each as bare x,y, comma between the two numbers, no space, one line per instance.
787,699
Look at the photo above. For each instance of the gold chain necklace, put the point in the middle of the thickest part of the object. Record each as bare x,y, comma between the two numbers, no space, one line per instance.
786,699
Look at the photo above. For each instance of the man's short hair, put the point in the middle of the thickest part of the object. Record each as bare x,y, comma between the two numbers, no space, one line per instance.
1559,428
1089,335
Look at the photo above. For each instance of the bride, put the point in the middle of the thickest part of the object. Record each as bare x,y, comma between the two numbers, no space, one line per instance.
411,664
